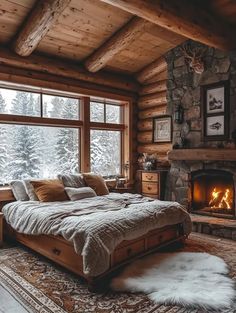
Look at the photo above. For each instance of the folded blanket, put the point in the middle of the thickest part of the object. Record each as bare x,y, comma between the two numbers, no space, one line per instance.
96,226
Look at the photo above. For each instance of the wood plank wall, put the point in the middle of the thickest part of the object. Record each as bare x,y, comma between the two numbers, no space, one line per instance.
152,102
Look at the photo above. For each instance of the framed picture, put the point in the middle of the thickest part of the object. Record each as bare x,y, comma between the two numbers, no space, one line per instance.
162,128
215,108
215,125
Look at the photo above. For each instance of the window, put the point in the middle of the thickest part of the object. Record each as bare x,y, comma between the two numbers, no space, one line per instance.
19,102
106,139
61,107
105,112
43,134
105,152
37,151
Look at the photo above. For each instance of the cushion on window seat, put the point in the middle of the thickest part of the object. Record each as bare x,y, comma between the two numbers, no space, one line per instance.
97,183
49,190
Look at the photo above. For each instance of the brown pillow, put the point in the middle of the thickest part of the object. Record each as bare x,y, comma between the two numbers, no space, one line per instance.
97,183
49,190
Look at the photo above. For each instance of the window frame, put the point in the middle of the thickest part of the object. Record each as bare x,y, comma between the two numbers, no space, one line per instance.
83,123
111,126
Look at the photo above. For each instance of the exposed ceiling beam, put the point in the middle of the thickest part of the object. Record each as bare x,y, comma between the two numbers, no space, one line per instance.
184,18
67,69
117,42
151,70
43,16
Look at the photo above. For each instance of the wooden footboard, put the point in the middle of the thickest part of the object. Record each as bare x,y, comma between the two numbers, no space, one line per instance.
62,252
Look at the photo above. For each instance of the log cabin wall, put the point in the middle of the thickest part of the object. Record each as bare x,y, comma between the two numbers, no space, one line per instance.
152,102
184,87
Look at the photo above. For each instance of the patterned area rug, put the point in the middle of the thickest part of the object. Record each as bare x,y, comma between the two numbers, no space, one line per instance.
44,287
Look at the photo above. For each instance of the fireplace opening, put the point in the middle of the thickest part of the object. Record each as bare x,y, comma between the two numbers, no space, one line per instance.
213,193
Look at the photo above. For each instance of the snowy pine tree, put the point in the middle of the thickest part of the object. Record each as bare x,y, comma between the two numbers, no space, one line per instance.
105,145
67,144
25,152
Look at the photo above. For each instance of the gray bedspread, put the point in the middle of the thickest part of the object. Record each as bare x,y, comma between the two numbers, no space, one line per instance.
96,225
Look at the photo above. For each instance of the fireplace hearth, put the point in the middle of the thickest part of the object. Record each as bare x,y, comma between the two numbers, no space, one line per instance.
213,193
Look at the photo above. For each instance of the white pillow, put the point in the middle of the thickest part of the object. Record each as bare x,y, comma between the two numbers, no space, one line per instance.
30,190
80,193
19,190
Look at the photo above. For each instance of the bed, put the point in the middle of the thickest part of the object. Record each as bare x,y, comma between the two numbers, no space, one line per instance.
93,237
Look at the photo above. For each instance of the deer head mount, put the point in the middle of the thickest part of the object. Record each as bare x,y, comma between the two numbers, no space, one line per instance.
194,58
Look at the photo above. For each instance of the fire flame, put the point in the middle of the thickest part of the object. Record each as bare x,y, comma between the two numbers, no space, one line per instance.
221,199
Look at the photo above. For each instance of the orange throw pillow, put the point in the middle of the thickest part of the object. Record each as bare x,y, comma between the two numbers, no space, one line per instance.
97,183
49,190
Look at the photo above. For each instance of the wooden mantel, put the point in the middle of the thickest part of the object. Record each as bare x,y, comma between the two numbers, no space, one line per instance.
202,155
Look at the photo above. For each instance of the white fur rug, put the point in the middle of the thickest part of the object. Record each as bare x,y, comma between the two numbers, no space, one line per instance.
186,279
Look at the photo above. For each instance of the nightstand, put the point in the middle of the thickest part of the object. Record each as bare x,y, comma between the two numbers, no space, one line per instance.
152,183
1,229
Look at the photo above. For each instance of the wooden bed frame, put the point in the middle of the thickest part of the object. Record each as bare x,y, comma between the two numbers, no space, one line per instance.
62,252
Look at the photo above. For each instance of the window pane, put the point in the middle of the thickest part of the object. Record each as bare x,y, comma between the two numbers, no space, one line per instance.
97,112
37,152
105,152
19,102
113,113
60,107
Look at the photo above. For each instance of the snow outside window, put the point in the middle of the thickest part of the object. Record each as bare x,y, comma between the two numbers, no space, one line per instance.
29,103
60,107
105,113
105,152
37,151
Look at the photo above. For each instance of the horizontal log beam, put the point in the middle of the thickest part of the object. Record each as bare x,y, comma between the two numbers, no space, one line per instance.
118,42
145,124
152,112
151,70
159,149
148,101
184,18
159,77
153,88
43,16
67,69
145,137
64,84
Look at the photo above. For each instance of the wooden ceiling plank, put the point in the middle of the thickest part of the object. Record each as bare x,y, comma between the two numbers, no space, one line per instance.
182,17
43,16
66,69
120,40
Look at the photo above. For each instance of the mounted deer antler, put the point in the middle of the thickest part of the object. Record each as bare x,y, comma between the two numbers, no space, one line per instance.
194,58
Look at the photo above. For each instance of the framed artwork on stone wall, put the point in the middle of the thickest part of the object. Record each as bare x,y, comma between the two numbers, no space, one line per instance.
215,111
162,128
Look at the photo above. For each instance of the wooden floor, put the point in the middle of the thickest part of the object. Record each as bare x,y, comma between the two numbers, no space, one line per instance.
9,304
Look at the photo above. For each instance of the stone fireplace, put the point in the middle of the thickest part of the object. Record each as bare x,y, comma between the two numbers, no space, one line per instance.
203,173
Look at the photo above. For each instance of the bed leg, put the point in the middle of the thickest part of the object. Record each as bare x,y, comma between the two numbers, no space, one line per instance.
93,285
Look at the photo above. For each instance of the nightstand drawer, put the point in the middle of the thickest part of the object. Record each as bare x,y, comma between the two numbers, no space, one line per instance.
153,177
151,188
